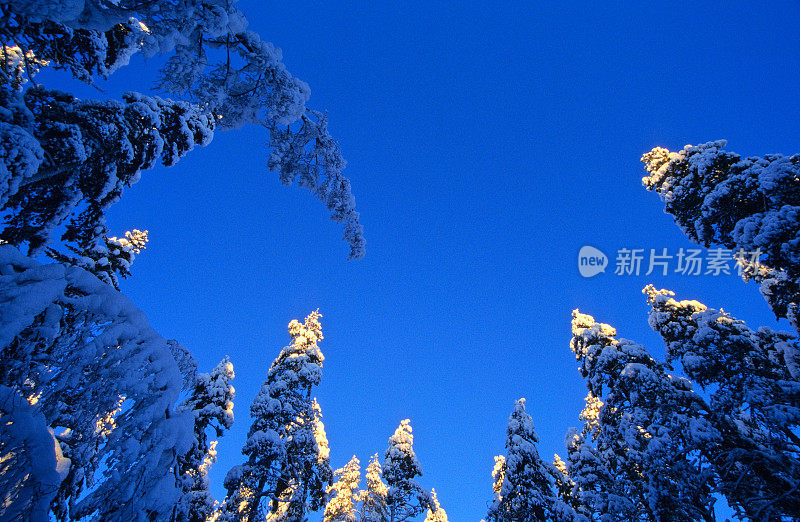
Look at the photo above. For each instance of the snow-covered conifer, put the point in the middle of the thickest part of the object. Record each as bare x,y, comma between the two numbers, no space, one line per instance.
743,204
435,513
588,485
343,493
651,428
108,260
105,382
57,168
373,497
83,172
405,498
565,487
287,469
498,476
211,404
187,364
525,482
754,382
594,492
32,466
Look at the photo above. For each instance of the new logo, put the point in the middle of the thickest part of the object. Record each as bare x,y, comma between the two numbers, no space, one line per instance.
591,261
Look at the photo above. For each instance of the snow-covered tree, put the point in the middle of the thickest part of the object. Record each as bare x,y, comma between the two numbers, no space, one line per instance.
651,431
563,483
498,476
211,405
567,490
32,466
373,497
592,490
587,484
109,262
287,469
105,383
81,355
753,377
435,513
405,498
343,493
524,485
66,161
743,204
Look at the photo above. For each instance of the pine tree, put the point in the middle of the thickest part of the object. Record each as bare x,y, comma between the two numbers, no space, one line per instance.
211,405
373,498
287,470
342,504
523,483
405,498
754,383
435,512
651,429
743,204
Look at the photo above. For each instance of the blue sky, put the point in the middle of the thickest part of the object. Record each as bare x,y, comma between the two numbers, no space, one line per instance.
486,144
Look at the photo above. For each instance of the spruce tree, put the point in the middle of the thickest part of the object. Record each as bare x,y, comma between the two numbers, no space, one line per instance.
109,259
435,512
373,498
211,405
287,469
405,498
524,484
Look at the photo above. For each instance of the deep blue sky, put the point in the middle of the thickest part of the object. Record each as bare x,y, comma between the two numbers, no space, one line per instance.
486,145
